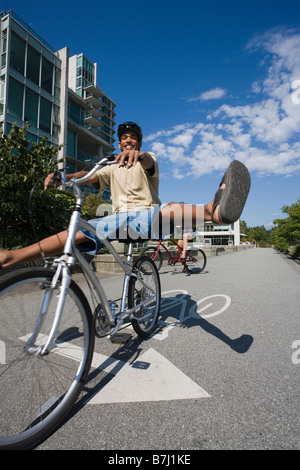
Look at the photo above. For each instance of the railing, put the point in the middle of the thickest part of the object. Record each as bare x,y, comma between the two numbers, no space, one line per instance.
28,28
85,157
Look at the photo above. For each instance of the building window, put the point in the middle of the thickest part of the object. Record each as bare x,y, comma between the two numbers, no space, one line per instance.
45,115
76,113
56,117
71,144
47,75
105,129
56,121
3,51
2,87
15,98
31,139
31,107
33,65
57,83
70,168
17,53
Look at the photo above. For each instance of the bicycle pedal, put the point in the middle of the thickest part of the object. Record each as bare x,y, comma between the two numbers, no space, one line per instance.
120,338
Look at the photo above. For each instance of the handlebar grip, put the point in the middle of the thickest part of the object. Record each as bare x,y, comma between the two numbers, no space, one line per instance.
57,178
111,157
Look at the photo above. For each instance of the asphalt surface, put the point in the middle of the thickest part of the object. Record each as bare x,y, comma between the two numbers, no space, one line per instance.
222,371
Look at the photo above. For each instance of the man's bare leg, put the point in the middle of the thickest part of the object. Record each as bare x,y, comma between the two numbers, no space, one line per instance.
181,213
188,214
50,246
229,203
183,245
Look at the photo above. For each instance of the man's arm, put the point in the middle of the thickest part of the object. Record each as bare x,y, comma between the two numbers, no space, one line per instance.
147,162
92,180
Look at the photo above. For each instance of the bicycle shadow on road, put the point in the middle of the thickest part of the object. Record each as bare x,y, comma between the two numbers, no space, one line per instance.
128,353
99,377
176,270
183,309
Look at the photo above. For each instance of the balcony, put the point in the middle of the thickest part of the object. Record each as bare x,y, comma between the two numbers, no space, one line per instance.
92,99
91,120
85,157
94,90
96,112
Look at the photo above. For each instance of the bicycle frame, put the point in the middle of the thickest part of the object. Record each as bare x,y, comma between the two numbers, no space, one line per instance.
172,259
72,255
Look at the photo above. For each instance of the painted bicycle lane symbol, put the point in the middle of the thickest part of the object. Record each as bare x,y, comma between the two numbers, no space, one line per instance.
186,308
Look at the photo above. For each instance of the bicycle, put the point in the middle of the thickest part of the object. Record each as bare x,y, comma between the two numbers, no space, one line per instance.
191,262
48,327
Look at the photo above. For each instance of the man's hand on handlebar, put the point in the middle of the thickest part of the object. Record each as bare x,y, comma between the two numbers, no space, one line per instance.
128,157
131,157
57,178
50,181
54,179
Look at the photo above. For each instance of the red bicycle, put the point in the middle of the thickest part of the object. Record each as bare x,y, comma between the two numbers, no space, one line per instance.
193,264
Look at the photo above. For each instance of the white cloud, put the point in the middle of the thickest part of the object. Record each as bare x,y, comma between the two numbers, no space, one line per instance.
213,94
263,134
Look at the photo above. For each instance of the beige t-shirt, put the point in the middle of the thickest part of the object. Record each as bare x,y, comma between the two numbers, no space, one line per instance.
132,188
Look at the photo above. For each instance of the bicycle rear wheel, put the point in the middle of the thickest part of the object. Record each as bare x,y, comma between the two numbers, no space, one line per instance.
196,264
145,288
37,391
155,254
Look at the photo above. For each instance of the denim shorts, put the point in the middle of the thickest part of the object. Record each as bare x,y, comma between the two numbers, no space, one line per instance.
136,226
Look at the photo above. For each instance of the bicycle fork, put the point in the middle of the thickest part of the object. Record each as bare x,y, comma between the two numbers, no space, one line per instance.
30,346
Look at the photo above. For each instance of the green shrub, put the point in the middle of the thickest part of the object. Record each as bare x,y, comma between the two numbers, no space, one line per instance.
24,165
295,251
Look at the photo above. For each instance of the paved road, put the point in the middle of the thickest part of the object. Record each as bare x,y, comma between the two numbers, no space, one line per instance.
228,379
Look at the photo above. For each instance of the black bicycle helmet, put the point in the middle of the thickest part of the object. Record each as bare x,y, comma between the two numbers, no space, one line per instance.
130,126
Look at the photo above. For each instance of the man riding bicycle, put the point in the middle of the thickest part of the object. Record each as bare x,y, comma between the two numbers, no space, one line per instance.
134,184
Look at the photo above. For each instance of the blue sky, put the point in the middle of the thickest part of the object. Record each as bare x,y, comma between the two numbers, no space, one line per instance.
207,81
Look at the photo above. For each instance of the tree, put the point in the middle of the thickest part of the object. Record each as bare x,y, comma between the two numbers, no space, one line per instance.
258,234
24,165
94,206
286,232
244,229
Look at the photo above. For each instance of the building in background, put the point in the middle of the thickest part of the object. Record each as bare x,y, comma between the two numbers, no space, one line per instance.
210,234
221,235
90,113
56,94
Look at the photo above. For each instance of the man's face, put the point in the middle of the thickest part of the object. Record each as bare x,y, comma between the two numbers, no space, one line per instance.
129,141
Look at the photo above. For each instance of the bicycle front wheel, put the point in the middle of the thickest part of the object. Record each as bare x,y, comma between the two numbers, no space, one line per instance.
144,290
155,254
196,264
37,391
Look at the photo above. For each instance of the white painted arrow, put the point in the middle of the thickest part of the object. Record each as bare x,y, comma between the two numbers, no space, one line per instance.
152,378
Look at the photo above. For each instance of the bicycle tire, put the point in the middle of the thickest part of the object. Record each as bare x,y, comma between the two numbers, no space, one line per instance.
37,391
155,255
196,264
137,292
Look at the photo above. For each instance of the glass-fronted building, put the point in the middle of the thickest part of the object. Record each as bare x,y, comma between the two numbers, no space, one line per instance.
29,80
90,113
58,96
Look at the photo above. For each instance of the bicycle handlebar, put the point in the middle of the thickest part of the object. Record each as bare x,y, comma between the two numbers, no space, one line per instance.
59,177
104,161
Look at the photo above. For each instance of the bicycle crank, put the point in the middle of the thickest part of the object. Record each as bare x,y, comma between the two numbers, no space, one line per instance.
102,326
